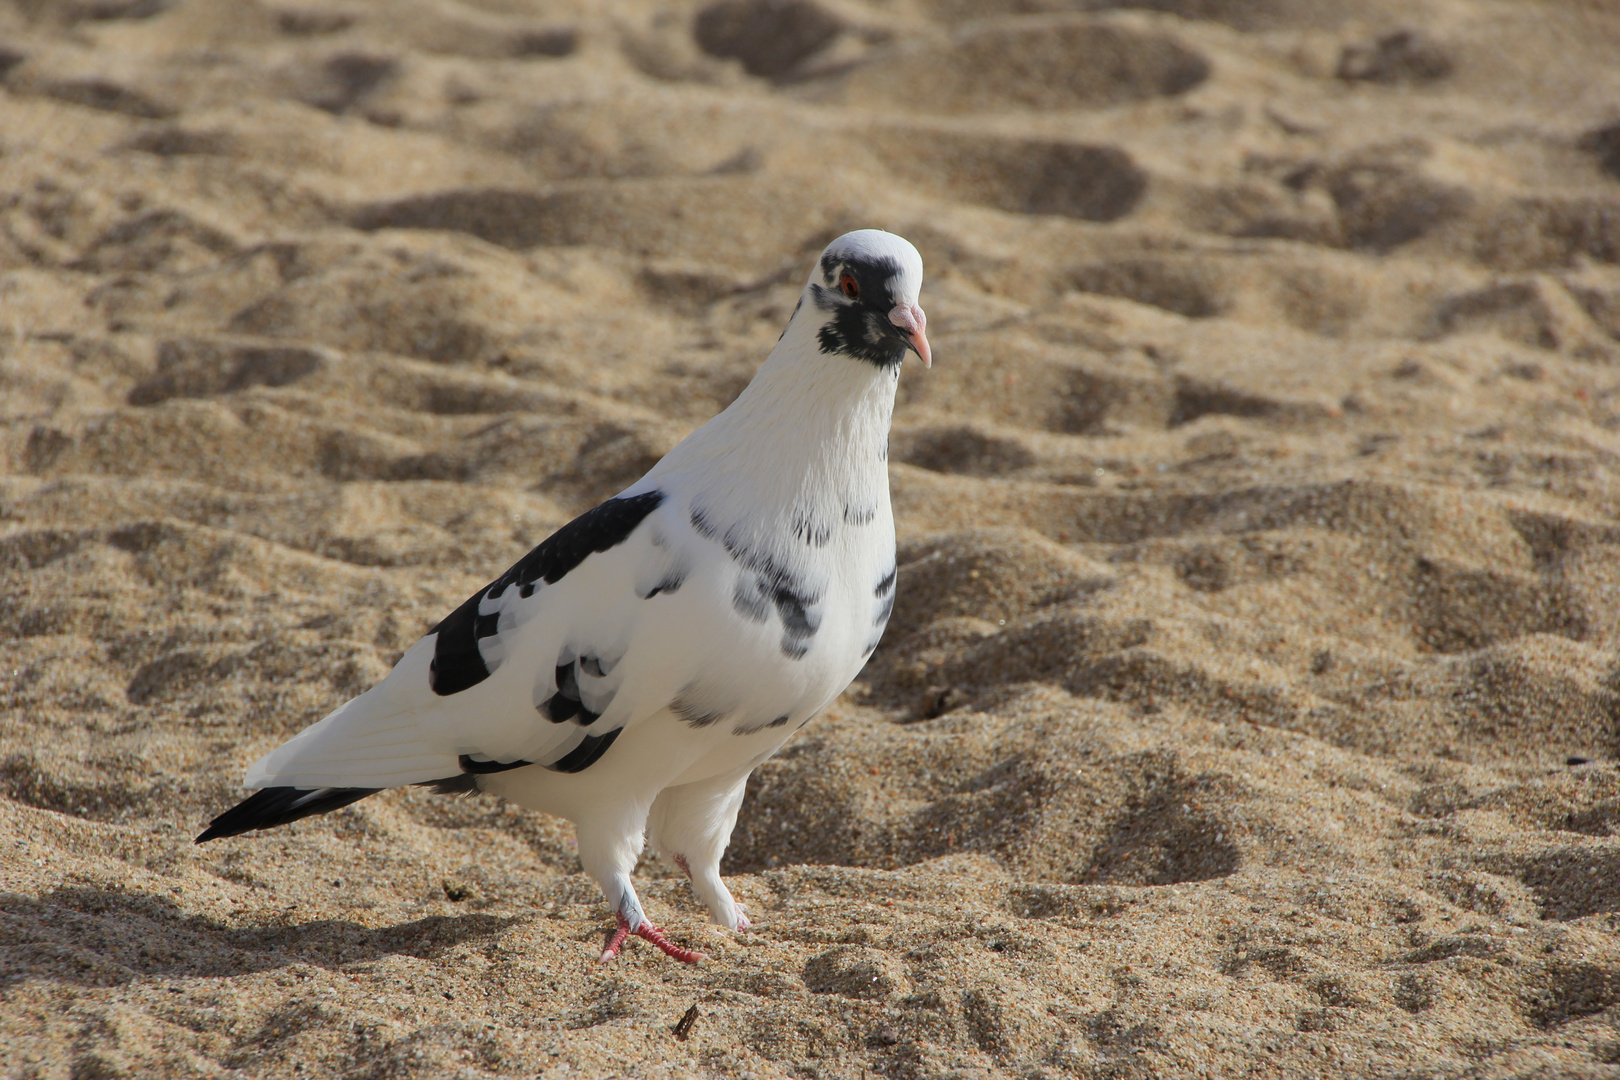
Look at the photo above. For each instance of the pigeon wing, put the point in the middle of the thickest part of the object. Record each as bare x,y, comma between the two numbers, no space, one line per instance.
527,671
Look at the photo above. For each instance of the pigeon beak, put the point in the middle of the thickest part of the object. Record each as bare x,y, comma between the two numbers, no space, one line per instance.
912,323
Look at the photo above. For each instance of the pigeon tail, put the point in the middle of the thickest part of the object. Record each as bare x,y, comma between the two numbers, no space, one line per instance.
279,805
372,741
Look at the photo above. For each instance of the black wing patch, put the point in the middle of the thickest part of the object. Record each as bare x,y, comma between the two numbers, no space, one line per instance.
586,753
576,760
470,765
457,664
565,704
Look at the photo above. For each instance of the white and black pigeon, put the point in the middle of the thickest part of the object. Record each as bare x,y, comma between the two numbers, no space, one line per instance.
631,671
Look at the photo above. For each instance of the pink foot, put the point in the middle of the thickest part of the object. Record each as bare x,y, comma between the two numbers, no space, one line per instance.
651,933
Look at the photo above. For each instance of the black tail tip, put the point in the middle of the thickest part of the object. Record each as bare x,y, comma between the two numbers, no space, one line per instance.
278,806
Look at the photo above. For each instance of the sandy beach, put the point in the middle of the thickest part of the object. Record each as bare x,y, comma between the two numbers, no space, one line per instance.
1251,706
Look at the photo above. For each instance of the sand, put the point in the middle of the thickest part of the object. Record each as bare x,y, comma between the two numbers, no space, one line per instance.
1252,701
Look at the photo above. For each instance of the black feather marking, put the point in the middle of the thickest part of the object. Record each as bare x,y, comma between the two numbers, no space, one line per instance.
486,625
774,583
796,608
278,806
460,784
586,753
671,582
799,620
874,277
812,532
457,662
469,765
560,708
755,729
693,714
886,584
700,522
748,601
784,589
859,515
860,327
826,299
593,532
764,565
592,666
791,317
565,704
885,609
865,335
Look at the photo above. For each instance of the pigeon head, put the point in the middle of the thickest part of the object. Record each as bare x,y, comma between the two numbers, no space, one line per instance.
865,288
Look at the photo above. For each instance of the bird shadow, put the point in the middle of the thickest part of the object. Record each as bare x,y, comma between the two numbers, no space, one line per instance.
106,938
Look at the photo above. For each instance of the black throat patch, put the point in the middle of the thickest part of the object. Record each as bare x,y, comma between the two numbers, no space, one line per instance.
858,332
860,327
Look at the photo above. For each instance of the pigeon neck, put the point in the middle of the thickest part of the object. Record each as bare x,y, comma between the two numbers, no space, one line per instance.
819,408
812,428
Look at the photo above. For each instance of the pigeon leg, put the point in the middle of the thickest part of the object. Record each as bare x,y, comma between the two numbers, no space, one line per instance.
724,896
650,933
608,851
691,824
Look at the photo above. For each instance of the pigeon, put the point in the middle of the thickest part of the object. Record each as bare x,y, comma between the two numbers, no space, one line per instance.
631,671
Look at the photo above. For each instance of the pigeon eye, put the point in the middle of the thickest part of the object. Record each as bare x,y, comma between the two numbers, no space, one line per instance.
847,286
